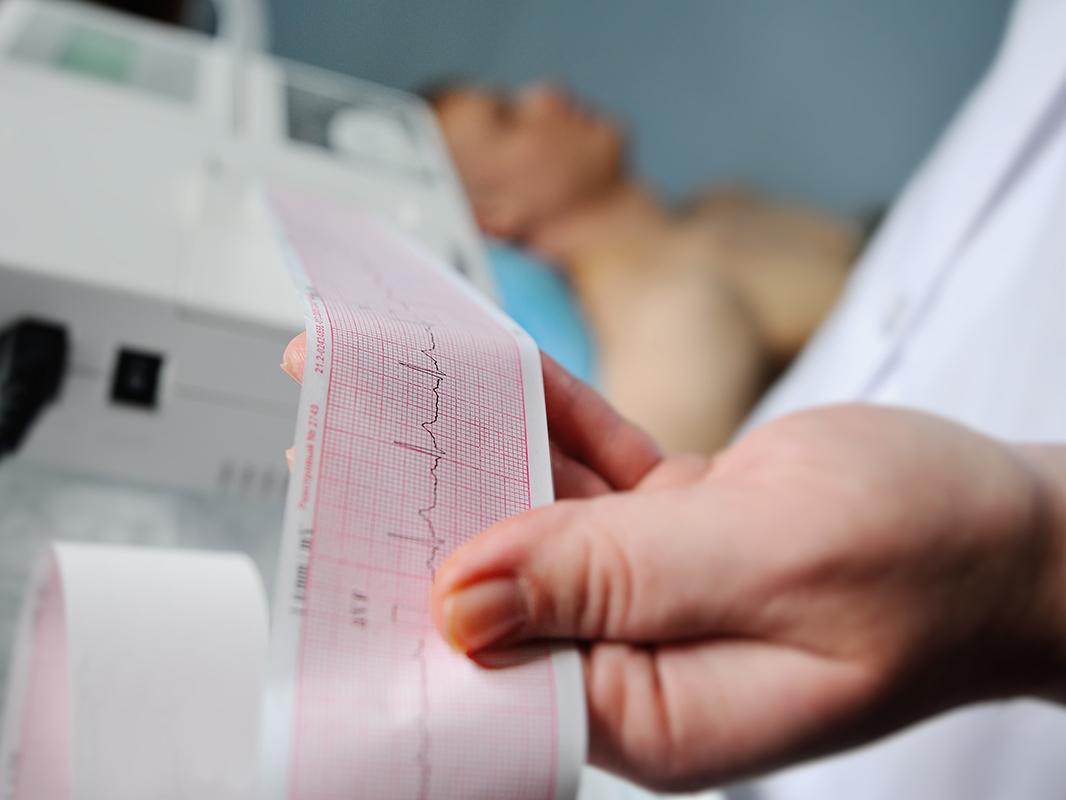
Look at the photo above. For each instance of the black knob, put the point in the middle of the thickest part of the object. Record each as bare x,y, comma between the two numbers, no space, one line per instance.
33,359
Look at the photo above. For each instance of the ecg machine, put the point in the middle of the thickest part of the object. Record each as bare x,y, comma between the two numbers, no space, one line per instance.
144,293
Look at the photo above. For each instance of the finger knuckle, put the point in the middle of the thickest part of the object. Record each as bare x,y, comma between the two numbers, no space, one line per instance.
608,584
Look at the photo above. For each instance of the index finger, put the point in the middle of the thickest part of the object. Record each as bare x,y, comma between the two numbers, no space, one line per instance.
586,427
294,357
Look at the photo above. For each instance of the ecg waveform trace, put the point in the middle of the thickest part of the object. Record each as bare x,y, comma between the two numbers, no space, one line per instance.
423,444
432,540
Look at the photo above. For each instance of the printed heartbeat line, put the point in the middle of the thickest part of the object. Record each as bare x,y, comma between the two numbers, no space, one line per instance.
431,538
434,542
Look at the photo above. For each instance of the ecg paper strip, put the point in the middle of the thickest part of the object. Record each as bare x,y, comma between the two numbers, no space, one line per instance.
421,424
136,673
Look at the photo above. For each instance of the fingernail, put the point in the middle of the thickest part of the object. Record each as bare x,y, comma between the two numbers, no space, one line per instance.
290,457
292,363
507,657
287,368
482,614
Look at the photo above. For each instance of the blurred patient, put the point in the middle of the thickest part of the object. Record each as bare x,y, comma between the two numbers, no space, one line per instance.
693,308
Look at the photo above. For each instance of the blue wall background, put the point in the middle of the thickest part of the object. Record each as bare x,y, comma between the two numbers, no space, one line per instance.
830,101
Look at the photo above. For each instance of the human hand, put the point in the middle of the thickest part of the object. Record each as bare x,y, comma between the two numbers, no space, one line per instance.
832,577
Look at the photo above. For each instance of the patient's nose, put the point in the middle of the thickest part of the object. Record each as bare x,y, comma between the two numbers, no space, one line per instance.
544,97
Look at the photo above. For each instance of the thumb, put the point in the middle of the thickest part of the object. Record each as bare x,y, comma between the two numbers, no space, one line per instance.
633,567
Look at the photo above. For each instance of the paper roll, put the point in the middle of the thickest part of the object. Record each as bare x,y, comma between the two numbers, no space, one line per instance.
137,675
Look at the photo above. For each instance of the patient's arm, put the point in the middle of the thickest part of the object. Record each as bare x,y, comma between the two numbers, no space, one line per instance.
679,351
693,312
788,262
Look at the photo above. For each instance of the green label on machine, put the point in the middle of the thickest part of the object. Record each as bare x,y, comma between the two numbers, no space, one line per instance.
99,54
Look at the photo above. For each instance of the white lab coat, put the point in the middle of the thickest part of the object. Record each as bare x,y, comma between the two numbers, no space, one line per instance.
959,308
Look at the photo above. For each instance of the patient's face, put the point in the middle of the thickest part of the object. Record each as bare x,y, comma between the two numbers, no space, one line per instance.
527,156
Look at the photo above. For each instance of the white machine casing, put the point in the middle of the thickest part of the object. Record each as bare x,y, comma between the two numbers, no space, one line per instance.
132,161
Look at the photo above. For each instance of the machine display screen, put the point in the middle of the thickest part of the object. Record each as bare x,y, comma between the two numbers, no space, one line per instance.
107,55
101,55
357,130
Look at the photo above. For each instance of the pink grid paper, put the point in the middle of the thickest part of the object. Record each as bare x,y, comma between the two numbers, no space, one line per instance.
421,443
